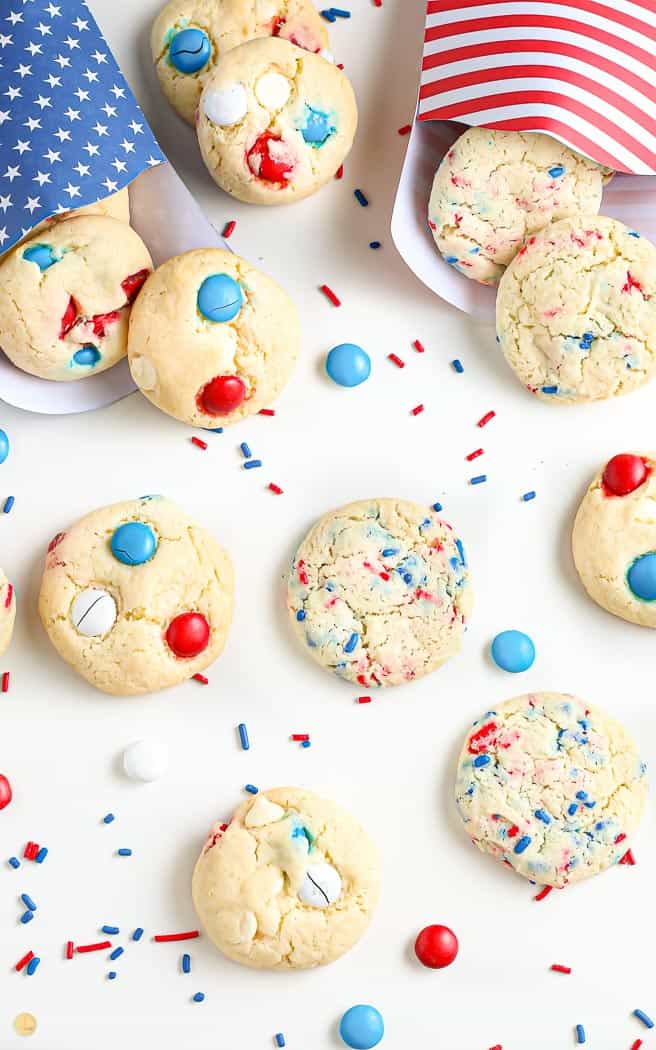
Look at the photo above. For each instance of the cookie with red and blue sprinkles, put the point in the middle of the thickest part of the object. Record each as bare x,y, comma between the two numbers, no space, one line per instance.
379,592
551,786
614,538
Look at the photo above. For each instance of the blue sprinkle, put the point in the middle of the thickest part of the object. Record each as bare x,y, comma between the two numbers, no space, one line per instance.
481,760
245,450
461,552
389,552
306,743
116,953
523,843
214,430
186,963
557,171
108,818
28,902
339,12
375,245
26,917
589,805
458,366
252,790
451,259
632,233
407,578
111,976
437,507
110,929
199,996
32,965
474,251
124,852
642,1016
300,615
478,480
528,496
580,1033
581,795
549,389
572,809
328,15
250,464
14,862
542,815
352,642
360,198
9,502
280,1039
243,736
41,855
138,934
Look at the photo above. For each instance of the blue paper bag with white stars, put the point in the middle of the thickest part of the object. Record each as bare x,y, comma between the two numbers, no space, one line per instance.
71,132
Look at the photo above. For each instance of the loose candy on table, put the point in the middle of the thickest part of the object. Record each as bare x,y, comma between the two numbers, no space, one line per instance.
4,446
436,947
362,1027
513,651
6,793
146,760
348,365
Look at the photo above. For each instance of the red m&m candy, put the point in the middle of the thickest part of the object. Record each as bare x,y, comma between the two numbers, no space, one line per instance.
5,791
436,947
222,395
271,159
188,634
624,473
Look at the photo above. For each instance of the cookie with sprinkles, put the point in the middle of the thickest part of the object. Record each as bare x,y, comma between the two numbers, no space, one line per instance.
614,538
7,612
551,786
494,188
576,310
274,122
379,592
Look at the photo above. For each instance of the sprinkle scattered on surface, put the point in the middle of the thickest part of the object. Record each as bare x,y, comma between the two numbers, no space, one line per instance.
229,229
199,996
339,174
186,935
580,1033
110,929
22,963
557,968
364,700
300,736
28,902
642,1016
83,949
252,790
32,965
252,464
267,412
528,496
544,892
360,198
306,743
200,678
417,410
396,360
486,419
405,129
330,295
69,949
478,480
186,963
9,502
243,737
375,245
14,862
474,455
138,934
108,818
272,487
124,852
246,450
458,366
199,443
280,1039
419,347
437,507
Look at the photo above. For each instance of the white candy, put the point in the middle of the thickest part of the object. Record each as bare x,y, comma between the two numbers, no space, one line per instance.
225,106
263,812
144,372
272,90
328,55
93,612
247,927
146,760
321,886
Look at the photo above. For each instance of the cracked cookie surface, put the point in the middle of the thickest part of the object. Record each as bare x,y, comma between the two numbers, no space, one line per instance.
208,372
136,596
66,295
274,122
249,884
552,786
379,592
494,188
576,310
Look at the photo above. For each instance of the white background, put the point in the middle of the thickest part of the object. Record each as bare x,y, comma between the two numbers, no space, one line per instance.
392,762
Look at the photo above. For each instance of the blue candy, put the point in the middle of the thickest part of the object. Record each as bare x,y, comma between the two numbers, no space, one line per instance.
133,543
41,254
4,446
189,50
362,1027
88,355
641,577
513,651
220,298
348,365
317,127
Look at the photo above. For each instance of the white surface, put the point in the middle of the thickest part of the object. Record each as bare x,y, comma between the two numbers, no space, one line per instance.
391,762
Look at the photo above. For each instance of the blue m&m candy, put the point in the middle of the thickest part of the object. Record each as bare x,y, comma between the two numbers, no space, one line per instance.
641,577
42,255
317,127
348,365
189,50
362,1027
513,651
4,446
220,298
133,543
88,355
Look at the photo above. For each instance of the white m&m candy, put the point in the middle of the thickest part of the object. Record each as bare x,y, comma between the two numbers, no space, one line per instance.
225,106
146,760
321,886
93,613
272,90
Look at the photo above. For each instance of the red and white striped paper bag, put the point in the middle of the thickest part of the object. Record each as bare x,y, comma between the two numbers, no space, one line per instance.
583,71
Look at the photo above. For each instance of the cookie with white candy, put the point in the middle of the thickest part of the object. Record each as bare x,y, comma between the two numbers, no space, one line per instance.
290,883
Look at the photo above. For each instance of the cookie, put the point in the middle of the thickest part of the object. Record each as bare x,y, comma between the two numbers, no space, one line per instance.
494,188
576,310
189,36
614,538
379,592
65,297
551,786
7,612
290,883
274,122
136,596
212,340
116,206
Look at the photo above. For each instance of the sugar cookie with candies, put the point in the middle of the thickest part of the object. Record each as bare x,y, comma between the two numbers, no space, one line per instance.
7,612
212,340
189,36
136,596
274,122
290,883
66,296
114,206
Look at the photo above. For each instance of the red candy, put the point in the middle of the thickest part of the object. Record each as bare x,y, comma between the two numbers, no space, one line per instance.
6,794
188,634
69,318
101,321
133,284
436,947
222,395
624,473
270,159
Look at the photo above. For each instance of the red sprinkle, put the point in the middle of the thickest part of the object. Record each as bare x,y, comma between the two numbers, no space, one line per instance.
99,947
339,174
229,229
474,455
5,682
22,963
31,850
267,412
188,936
198,443
364,699
10,594
628,858
486,419
330,295
417,410
300,736
636,1045
544,892
69,949
405,130
512,831
620,838
200,678
419,347
557,968
395,359
275,488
